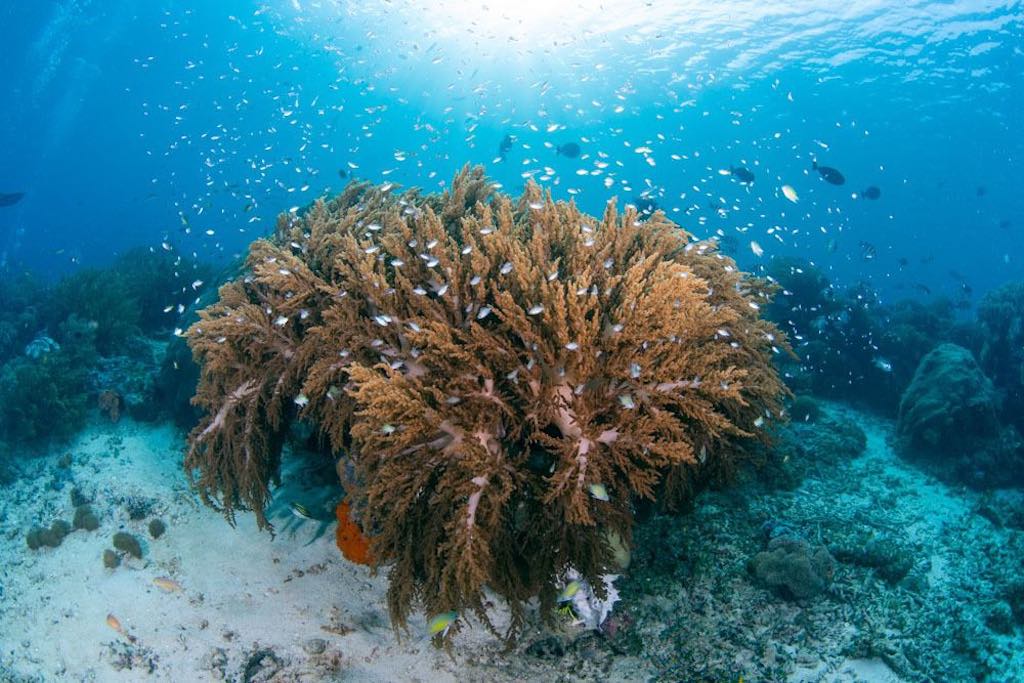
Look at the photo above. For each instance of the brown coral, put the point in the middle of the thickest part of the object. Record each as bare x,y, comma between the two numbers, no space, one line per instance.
109,402
488,369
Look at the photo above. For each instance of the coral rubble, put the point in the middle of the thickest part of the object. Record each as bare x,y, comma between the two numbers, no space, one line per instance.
503,379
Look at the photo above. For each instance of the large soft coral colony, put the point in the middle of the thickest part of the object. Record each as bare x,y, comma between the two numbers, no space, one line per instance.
502,380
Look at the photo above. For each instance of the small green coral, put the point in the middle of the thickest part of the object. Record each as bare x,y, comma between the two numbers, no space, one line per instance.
127,543
85,518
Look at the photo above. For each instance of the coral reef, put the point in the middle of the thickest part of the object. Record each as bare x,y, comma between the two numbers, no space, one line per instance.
20,319
503,378
804,409
42,400
794,568
100,297
1001,315
949,418
851,346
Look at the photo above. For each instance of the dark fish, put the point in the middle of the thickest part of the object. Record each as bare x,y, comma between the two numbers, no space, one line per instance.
868,250
505,146
924,288
830,174
10,198
981,191
871,193
342,173
904,262
744,175
569,149
1005,223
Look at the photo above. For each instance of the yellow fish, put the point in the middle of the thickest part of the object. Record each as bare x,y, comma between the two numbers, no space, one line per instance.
441,623
571,589
790,193
115,623
167,585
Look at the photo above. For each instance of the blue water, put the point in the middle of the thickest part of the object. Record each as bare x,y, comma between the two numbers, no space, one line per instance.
187,128
195,124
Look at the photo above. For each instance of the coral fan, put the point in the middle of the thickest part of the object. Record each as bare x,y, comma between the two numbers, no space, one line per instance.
504,380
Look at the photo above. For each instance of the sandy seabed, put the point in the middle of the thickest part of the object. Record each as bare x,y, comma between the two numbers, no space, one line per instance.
252,607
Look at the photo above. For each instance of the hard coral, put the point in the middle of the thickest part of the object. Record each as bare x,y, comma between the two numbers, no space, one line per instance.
949,421
505,378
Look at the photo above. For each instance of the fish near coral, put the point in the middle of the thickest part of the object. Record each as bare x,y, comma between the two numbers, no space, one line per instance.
485,450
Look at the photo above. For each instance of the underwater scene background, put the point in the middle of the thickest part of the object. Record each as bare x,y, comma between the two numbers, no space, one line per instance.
499,341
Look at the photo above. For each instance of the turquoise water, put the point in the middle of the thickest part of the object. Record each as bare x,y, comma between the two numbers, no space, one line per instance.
141,117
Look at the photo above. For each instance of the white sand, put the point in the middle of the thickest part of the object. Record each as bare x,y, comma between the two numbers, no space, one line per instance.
241,590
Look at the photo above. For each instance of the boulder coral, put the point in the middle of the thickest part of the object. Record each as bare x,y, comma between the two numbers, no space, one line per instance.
1001,314
949,420
502,379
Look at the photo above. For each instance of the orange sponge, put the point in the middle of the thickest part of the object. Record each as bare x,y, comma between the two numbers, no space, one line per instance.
350,539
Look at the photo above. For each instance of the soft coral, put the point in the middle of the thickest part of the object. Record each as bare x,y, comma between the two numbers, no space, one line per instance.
349,537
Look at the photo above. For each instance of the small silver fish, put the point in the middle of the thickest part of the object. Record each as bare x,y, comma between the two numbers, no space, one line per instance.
598,491
300,510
